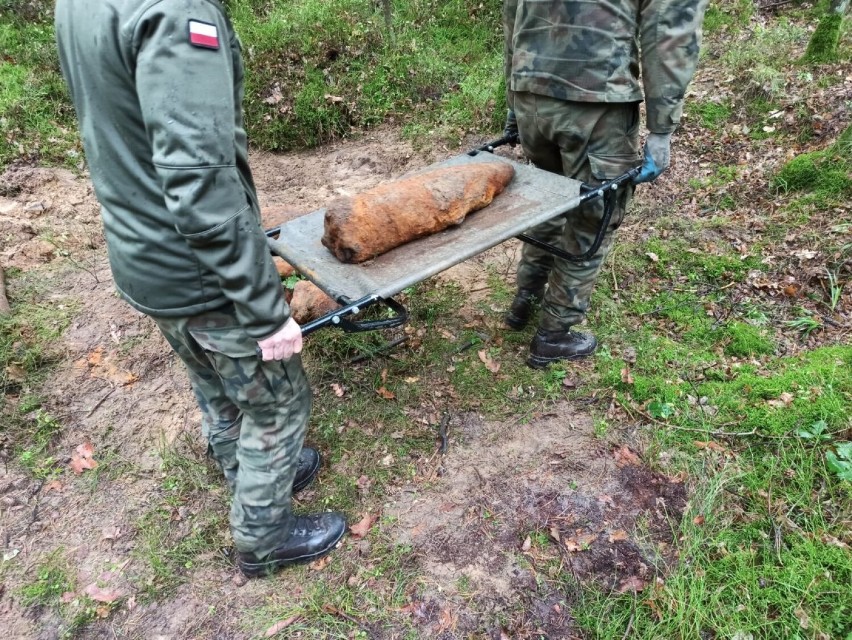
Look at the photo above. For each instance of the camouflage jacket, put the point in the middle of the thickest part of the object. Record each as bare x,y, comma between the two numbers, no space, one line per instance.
158,90
592,51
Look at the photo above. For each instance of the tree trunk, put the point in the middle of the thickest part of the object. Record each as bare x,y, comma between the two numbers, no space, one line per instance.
823,44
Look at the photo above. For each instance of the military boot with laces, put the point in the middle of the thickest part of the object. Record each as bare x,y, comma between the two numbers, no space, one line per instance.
312,537
522,306
309,464
550,346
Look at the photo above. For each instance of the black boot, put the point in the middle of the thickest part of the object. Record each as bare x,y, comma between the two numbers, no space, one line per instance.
551,346
313,536
309,464
522,307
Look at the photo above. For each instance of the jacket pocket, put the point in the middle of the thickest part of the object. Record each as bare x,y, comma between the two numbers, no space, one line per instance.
604,167
233,342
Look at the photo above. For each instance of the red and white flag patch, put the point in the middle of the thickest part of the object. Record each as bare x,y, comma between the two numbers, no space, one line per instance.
203,34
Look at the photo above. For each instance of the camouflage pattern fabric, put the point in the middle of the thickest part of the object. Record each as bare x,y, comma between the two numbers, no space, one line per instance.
254,416
592,143
592,51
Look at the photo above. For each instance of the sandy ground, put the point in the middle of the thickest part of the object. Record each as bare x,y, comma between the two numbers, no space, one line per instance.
118,387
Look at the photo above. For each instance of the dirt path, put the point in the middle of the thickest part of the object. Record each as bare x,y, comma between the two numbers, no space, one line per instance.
468,527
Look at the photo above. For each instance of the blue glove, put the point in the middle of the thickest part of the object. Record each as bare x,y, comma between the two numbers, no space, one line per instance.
658,155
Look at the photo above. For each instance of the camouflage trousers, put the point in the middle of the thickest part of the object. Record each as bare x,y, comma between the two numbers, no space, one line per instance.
591,142
254,415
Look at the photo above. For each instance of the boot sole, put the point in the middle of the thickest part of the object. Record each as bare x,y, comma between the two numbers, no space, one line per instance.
261,569
514,322
540,362
310,477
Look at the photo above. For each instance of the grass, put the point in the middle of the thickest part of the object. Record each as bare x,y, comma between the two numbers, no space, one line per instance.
186,524
26,356
315,72
36,118
761,547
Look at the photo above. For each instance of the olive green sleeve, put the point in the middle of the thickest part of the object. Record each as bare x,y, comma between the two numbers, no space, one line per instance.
191,109
669,41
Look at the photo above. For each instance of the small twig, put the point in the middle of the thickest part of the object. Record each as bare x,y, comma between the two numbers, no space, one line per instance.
442,432
479,475
342,614
5,309
717,434
775,4
378,352
629,626
100,402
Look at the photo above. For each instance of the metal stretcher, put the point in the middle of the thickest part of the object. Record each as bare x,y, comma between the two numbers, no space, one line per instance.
532,197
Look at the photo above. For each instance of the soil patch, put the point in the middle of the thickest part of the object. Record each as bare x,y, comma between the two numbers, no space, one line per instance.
514,501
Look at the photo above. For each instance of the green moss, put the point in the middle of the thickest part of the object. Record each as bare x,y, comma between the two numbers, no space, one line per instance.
711,115
823,173
823,43
745,340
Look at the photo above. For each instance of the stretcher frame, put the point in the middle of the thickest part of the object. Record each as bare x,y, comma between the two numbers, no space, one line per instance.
532,197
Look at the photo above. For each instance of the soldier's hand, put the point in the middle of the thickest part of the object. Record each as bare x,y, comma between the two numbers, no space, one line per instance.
658,156
282,344
511,127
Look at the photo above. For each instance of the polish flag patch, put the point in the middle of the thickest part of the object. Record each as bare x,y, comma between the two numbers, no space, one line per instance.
202,34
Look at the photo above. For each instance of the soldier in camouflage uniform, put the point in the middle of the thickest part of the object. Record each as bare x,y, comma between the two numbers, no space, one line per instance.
158,89
572,74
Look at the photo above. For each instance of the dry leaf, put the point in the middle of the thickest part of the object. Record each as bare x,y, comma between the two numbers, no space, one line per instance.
618,535
322,563
16,373
804,619
338,390
527,544
99,594
633,583
387,395
280,626
572,545
110,533
82,458
580,543
698,520
488,361
447,620
363,484
102,611
554,533
53,485
653,257
360,530
587,540
625,457
713,446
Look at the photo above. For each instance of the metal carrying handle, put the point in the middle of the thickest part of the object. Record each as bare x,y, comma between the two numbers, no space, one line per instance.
338,317
513,138
609,191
